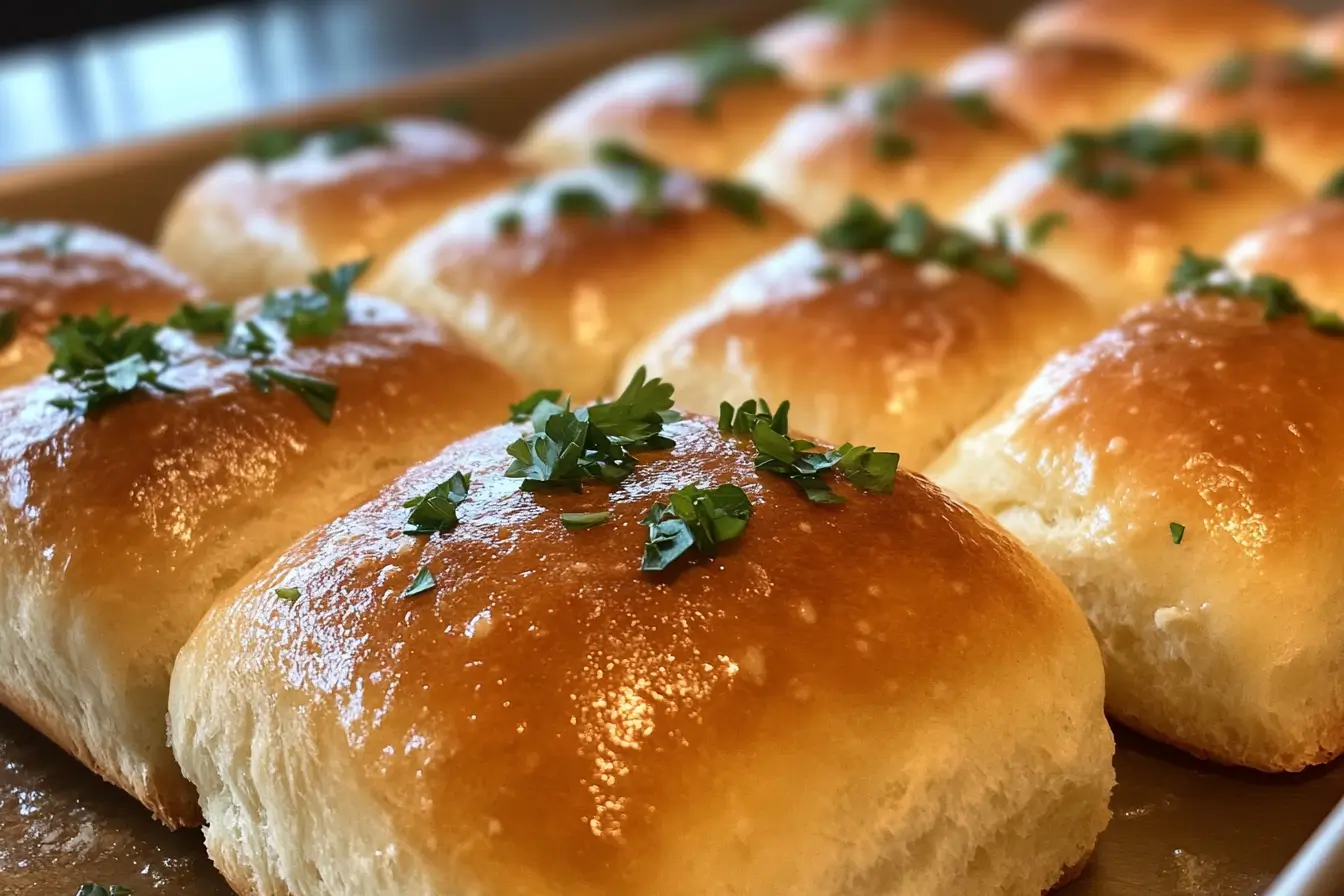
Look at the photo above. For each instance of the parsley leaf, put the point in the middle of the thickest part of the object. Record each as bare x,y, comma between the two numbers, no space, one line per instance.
975,107
318,394
345,139
860,227
635,418
436,509
1044,224
423,581
1205,275
577,522
273,144
694,517
648,174
508,222
9,326
1308,68
1333,188
288,595
104,360
269,144
522,411
741,199
580,201
897,92
212,319
59,244
892,146
722,61
250,339
1177,532
320,310
1089,159
1233,73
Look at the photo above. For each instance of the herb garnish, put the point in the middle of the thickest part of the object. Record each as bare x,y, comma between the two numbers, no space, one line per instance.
1087,159
269,144
1233,73
851,12
741,199
423,581
9,327
1041,226
104,360
289,595
436,509
721,61
577,522
798,460
1202,274
1333,188
273,144
212,319
319,311
1236,72
649,175
915,235
693,517
59,244
1177,532
508,222
975,107
523,410
318,394
101,890
580,201
1308,68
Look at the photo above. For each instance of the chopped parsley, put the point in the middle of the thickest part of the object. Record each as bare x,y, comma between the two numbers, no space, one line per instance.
1308,68
436,509
103,890
694,517
523,410
799,460
423,581
269,144
897,92
1088,159
860,227
577,522
975,107
1333,188
1211,276
289,595
59,244
829,273
647,174
103,360
834,95
1041,226
318,394
741,199
1233,73
851,12
320,310
212,319
508,222
580,202
1177,532
273,144
9,327
345,139
892,146
722,61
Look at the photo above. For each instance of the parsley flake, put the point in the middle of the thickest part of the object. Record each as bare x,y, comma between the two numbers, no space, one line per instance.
1308,68
722,61
436,509
577,522
580,202
273,144
269,144
897,92
1089,159
523,410
509,222
212,319
1205,275
289,595
9,327
59,244
318,394
104,360
423,581
1044,224
320,310
1233,73
741,199
975,107
647,174
891,146
1177,532
694,517
1333,188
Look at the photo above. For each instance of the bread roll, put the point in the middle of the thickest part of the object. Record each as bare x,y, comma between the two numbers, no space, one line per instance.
253,223
1326,36
559,279
1130,199
885,697
48,269
1050,88
123,524
824,47
706,110
1303,244
1180,37
873,348
888,142
1182,472
1296,99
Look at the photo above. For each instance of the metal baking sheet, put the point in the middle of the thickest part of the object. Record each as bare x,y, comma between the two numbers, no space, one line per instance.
1181,827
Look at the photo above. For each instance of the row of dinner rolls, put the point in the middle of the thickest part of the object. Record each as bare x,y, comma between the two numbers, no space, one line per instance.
501,695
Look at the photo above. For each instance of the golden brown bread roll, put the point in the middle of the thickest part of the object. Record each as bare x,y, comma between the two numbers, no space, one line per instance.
1302,244
888,142
847,43
1050,88
874,345
1326,36
706,109
48,269
1296,100
806,712
288,204
1182,472
124,521
558,279
1129,200
1180,37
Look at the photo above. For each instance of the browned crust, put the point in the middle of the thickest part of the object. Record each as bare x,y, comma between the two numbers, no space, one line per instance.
1331,747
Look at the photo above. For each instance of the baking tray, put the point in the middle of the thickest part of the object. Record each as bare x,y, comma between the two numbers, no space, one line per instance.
1181,827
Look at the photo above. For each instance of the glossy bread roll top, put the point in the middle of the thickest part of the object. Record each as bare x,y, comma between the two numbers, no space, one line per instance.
1295,98
1052,87
897,140
1183,473
127,512
1127,201
874,346
289,203
706,109
559,278
837,688
48,269
1302,244
846,43
1180,37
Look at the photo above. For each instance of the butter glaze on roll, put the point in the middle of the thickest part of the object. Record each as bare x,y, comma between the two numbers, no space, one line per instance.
886,697
1049,88
244,226
1297,101
1326,36
817,49
1305,245
1118,250
825,152
561,300
48,269
120,528
1196,412
887,351
1180,37
659,105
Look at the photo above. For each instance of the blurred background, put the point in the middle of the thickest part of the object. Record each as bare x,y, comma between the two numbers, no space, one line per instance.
77,74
